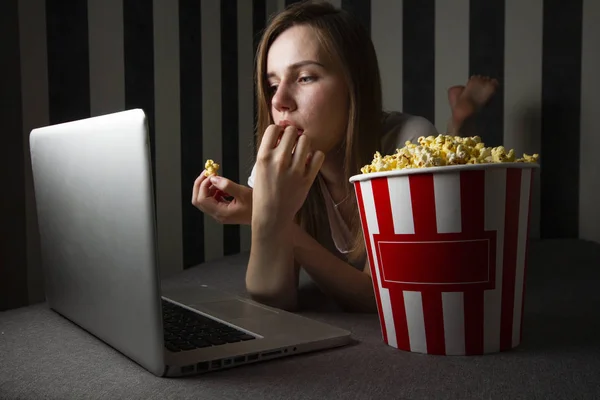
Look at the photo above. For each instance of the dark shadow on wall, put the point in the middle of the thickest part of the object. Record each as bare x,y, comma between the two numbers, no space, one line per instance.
13,239
559,160
562,304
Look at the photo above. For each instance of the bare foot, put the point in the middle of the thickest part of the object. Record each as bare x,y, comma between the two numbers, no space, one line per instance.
453,94
466,101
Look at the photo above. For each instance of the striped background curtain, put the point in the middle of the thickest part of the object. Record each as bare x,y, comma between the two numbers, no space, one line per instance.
189,64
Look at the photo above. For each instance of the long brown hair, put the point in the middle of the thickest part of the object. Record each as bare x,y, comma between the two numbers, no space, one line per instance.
350,46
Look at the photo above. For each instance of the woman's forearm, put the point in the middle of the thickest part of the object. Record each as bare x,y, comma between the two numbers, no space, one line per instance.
349,286
271,277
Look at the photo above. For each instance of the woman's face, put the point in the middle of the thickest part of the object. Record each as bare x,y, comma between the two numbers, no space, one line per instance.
307,90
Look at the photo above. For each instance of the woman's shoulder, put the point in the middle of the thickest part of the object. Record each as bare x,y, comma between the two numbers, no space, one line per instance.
399,127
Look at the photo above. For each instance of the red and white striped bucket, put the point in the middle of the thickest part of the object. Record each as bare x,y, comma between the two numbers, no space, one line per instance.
447,248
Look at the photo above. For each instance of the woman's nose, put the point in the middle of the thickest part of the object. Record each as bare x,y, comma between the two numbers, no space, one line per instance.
283,99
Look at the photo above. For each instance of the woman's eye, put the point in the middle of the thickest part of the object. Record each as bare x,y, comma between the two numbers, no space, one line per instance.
307,79
273,89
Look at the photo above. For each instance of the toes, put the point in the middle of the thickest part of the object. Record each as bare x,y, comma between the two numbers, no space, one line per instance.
489,79
483,80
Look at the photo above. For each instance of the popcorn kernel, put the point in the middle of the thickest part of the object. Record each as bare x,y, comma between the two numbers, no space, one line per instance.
211,167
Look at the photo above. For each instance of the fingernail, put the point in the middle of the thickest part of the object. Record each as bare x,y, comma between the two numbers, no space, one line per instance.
214,179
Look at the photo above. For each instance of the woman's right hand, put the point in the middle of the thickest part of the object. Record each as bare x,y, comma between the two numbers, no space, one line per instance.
208,197
286,167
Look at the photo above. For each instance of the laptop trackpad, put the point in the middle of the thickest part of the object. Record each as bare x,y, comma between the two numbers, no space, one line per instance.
234,309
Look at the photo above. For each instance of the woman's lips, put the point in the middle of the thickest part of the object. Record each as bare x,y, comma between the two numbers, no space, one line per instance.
285,124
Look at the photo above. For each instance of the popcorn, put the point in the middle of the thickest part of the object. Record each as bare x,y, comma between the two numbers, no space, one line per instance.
212,168
435,151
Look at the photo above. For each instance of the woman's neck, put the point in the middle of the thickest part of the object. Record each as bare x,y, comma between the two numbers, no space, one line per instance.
332,172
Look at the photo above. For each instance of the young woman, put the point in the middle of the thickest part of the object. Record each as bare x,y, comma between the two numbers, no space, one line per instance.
320,119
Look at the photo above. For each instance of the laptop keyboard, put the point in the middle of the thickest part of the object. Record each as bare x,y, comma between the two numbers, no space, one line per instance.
187,330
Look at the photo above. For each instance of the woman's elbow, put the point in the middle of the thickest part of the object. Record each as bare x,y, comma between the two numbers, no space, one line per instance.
283,300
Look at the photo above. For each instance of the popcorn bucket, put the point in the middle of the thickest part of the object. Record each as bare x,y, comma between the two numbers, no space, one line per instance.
447,248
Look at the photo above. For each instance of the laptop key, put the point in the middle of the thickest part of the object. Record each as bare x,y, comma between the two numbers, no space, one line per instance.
215,341
186,347
200,343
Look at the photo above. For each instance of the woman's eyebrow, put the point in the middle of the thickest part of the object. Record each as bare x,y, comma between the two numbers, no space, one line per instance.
297,65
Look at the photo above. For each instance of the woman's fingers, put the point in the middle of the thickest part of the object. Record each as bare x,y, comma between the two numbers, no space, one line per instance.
288,140
314,165
282,154
196,188
219,196
301,153
269,140
275,136
305,160
205,190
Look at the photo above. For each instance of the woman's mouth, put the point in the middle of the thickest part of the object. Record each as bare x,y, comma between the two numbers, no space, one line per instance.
286,123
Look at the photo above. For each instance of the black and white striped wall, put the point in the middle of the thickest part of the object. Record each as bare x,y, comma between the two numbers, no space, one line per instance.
189,64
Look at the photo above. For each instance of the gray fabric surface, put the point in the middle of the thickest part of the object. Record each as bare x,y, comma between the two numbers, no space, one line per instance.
43,356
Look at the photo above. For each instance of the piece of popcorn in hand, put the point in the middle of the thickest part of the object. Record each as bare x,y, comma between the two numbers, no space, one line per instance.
211,167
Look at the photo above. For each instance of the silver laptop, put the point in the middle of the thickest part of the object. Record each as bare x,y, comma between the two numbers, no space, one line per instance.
95,205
